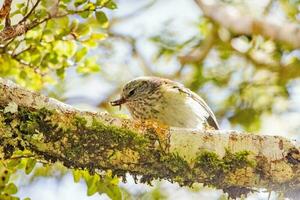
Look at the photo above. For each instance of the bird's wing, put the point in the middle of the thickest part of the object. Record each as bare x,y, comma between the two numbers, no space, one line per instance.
211,119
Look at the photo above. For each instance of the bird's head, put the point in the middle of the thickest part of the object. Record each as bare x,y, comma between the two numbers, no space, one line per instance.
137,90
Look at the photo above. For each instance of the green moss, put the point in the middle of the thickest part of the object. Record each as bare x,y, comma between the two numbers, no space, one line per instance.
122,136
109,135
80,121
167,166
177,168
39,122
5,119
210,163
216,168
238,160
175,163
110,139
42,127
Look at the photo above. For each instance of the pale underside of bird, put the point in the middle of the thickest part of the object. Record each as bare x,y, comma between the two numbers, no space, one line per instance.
166,101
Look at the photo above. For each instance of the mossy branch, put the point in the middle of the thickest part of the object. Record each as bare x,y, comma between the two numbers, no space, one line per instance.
234,162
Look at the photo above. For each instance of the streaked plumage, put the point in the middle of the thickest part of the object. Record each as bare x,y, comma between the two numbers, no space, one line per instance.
166,101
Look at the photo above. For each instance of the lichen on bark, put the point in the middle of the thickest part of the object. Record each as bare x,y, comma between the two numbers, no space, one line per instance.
234,162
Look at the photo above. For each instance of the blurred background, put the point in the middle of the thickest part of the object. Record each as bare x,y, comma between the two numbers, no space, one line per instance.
251,82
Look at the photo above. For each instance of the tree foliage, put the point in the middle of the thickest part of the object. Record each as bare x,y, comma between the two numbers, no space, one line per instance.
59,35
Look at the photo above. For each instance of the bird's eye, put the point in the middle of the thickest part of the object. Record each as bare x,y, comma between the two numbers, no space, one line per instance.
131,93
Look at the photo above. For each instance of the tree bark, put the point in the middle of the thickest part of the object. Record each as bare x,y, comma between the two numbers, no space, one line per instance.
5,9
235,162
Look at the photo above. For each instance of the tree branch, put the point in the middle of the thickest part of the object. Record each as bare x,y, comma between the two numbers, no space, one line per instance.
4,11
11,32
234,162
22,27
244,25
30,12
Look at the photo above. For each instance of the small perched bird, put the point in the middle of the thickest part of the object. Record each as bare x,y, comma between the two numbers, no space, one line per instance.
166,101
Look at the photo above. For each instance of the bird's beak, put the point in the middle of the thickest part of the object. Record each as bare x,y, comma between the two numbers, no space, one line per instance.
118,102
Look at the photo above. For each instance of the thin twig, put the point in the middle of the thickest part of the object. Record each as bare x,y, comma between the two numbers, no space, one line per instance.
30,12
27,6
7,21
22,62
8,43
21,28
16,47
19,53
22,156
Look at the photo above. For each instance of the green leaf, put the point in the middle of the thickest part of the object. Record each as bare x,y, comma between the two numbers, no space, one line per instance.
91,183
63,21
92,189
109,186
20,5
66,48
79,54
82,29
90,6
30,165
46,3
99,2
60,72
11,189
92,41
41,13
102,18
112,191
8,197
27,198
111,5
98,36
76,175
63,6
13,163
74,24
85,14
4,179
23,74
79,2
89,66
22,164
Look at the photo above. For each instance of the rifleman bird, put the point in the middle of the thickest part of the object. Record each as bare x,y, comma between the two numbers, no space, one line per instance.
166,101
